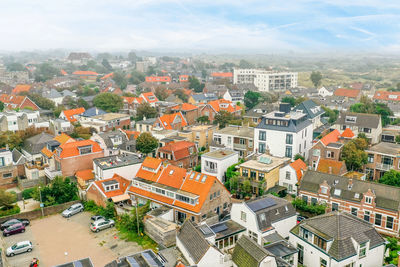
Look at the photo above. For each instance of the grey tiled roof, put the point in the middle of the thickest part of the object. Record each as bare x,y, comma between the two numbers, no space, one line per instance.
341,228
386,148
363,120
310,108
293,126
107,138
248,253
93,112
193,241
35,144
387,197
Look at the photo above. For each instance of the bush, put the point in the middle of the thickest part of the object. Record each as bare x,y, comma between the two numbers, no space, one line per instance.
108,212
10,211
314,209
27,193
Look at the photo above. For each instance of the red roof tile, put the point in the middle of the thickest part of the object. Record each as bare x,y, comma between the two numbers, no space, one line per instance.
180,149
387,96
299,166
149,97
63,72
353,93
152,79
71,149
185,107
85,175
347,133
110,75
331,137
70,113
329,165
222,104
167,120
222,74
85,73
21,88
123,185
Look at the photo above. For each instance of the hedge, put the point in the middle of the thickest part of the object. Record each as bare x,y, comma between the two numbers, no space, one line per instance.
314,209
27,193
6,212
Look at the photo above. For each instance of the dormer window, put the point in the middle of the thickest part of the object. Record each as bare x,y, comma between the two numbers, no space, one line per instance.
351,119
85,150
368,200
324,190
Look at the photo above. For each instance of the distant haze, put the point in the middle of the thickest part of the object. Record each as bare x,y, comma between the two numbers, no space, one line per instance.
218,26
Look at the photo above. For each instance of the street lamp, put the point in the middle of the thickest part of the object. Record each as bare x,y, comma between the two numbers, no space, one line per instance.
41,204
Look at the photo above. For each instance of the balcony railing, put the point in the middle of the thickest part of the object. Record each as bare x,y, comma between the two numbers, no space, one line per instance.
240,146
384,167
207,169
51,174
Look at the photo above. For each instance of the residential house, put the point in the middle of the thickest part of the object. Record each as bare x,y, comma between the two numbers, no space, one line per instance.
369,124
18,102
382,157
331,166
376,203
313,112
54,96
212,108
79,57
149,97
8,170
112,189
86,75
145,125
110,142
222,75
183,78
191,195
189,111
265,216
291,174
196,249
175,121
21,88
237,138
19,161
329,146
324,92
255,114
262,172
32,146
248,253
158,79
84,178
201,135
124,165
284,133
235,96
19,120
337,239
217,162
72,157
353,94
389,133
182,154
217,89
59,126
107,122
71,114
141,259
91,112
131,104
196,99
387,96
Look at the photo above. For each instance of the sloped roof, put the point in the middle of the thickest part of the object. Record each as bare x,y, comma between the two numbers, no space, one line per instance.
362,119
34,144
69,114
185,107
179,149
193,241
248,253
311,108
222,74
85,175
331,137
299,166
147,96
110,75
330,165
353,93
93,111
123,185
130,99
19,88
216,105
72,149
347,133
85,72
167,120
387,96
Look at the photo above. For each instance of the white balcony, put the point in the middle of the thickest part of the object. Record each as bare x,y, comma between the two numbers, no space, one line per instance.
51,174
383,167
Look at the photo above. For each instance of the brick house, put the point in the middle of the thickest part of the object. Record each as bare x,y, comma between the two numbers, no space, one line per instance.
329,147
382,157
214,107
182,154
130,104
348,93
331,166
149,97
106,122
8,171
175,121
376,203
17,102
86,75
189,111
191,195
21,88
112,189
201,135
72,157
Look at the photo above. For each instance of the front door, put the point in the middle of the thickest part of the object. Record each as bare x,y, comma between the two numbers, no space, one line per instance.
180,217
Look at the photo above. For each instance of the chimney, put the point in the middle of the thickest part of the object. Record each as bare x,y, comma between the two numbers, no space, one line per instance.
284,107
350,185
330,170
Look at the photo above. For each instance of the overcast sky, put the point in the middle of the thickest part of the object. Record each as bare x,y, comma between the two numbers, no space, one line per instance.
201,25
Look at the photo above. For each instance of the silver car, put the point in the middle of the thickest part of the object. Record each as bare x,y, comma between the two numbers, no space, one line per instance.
74,209
101,224
20,247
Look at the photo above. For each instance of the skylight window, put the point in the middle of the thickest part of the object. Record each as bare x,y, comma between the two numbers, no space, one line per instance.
198,177
171,172
204,178
356,195
337,192
192,175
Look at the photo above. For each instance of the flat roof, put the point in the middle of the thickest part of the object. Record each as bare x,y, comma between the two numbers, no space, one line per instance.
262,165
385,148
242,131
111,116
220,154
116,161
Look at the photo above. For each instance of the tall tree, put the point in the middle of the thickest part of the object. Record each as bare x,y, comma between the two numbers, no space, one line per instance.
251,99
289,99
1,106
120,79
146,143
391,177
7,199
145,110
161,93
316,78
108,102
223,118
244,64
354,155
45,71
106,64
195,84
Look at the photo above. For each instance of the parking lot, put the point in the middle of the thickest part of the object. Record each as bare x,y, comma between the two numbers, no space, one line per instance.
57,240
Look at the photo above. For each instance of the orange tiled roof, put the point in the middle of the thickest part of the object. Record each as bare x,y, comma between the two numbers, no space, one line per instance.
185,107
21,88
151,163
131,99
167,120
152,79
324,164
331,137
62,139
347,92
387,96
63,72
347,133
46,152
172,176
147,95
85,175
14,101
85,72
123,185
216,105
70,113
222,74
299,166
71,149
180,149
131,134
107,76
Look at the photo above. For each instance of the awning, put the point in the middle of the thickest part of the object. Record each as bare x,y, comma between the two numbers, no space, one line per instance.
120,198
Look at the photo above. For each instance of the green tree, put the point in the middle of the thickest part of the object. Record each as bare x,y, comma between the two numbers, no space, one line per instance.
120,79
106,64
354,155
298,156
246,186
136,77
15,66
7,199
397,139
367,106
150,71
161,93
331,114
59,191
108,102
251,99
42,102
146,143
223,118
244,64
145,110
391,177
132,57
1,106
195,84
203,119
45,71
289,99
181,95
82,103
316,78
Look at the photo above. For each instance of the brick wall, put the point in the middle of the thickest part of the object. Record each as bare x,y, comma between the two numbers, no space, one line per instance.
69,166
8,182
94,194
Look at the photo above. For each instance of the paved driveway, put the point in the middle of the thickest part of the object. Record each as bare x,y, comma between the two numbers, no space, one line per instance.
58,240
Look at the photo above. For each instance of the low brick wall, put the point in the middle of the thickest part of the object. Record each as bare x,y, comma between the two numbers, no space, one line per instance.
34,214
28,183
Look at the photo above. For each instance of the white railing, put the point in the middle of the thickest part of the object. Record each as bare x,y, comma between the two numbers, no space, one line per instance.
384,167
51,174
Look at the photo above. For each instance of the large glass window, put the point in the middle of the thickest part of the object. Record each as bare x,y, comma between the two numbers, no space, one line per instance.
389,222
261,147
288,152
363,250
262,136
366,215
354,211
289,139
378,219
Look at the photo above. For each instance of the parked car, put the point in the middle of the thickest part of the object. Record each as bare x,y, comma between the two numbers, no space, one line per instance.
98,225
14,229
74,209
10,222
18,248
97,217
300,218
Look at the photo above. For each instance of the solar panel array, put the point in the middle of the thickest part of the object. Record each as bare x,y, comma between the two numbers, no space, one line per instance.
219,228
265,160
132,262
151,260
206,230
261,204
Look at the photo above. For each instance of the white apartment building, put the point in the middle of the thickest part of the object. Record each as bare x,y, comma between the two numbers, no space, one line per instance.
266,80
216,162
284,133
18,120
